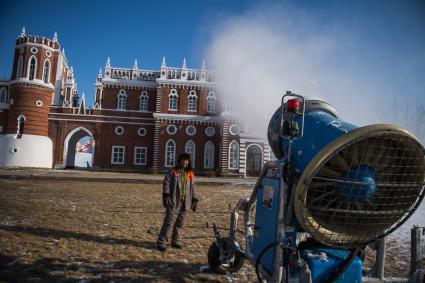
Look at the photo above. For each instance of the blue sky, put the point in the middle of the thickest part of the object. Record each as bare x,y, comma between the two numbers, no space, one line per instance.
380,44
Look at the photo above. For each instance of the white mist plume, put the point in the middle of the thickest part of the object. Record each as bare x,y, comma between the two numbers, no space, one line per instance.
260,55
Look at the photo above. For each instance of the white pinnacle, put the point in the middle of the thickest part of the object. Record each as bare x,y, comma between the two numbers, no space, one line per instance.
203,64
184,63
163,65
23,31
55,37
135,64
108,62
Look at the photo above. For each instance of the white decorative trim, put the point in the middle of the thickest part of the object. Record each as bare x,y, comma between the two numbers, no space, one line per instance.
113,152
173,160
169,131
35,82
209,143
192,154
135,154
104,116
119,130
144,132
187,118
36,44
39,103
101,121
188,130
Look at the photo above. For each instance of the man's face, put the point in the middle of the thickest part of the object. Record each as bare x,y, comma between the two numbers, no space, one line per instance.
184,163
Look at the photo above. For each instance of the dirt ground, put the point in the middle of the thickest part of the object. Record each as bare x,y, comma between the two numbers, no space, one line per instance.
60,231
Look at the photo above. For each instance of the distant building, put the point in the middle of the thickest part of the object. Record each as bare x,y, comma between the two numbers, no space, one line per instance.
140,120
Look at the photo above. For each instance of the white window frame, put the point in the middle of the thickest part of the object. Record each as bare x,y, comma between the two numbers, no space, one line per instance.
122,100
3,95
192,153
19,67
206,157
192,101
46,80
118,147
173,100
191,127
145,160
170,162
212,129
211,102
234,156
29,68
144,101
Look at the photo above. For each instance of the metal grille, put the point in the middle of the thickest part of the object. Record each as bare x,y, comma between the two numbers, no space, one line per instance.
364,190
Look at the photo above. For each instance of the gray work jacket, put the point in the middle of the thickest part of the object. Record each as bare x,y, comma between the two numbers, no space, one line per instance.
171,186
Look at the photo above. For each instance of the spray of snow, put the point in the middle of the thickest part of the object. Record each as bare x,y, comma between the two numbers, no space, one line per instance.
272,48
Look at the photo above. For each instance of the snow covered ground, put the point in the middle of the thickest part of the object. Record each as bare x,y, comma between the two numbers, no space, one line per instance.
83,159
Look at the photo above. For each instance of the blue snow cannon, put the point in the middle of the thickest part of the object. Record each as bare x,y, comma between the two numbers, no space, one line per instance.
334,189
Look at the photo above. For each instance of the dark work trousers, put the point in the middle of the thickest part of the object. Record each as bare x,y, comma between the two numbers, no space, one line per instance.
175,216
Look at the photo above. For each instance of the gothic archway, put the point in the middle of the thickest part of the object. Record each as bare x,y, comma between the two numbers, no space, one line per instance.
70,146
254,160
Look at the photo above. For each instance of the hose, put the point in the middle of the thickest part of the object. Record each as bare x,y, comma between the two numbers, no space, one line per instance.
257,262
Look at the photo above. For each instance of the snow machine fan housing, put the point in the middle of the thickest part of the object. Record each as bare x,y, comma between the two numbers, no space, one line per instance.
361,186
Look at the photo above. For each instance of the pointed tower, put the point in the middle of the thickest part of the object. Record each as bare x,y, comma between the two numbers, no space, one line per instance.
98,90
37,64
184,71
163,69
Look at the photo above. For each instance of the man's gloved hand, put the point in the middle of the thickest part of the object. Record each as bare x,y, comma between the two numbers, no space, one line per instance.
166,201
194,205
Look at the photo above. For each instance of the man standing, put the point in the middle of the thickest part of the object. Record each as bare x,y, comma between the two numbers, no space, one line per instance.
178,196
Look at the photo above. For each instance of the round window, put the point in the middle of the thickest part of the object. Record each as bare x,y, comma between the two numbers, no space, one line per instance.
234,129
119,130
48,53
39,103
171,129
209,131
34,50
141,132
190,130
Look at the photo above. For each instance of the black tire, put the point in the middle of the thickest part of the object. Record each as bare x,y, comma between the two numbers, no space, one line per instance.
214,259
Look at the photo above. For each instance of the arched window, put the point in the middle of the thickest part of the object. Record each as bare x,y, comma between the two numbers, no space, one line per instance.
209,155
190,149
144,101
46,71
170,153
234,155
191,101
122,99
211,102
32,66
19,68
3,95
21,125
173,98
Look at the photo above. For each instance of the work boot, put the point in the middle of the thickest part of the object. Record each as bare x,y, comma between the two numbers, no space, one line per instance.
162,247
177,245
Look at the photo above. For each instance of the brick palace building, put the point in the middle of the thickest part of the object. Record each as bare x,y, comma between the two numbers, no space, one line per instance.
140,119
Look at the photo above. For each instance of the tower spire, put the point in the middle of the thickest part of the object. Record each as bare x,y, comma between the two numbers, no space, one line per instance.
163,64
108,62
203,64
135,64
184,63
23,31
100,73
55,37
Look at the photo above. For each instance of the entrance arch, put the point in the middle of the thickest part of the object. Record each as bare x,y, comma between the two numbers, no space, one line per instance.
70,145
254,160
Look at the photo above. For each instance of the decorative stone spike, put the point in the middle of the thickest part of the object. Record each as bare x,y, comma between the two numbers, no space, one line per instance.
55,37
135,64
184,63
108,62
100,72
203,64
23,31
163,65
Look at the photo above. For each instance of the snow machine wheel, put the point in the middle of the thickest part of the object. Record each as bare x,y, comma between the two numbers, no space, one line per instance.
232,261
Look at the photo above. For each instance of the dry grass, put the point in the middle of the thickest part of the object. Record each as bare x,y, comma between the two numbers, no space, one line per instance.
60,231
